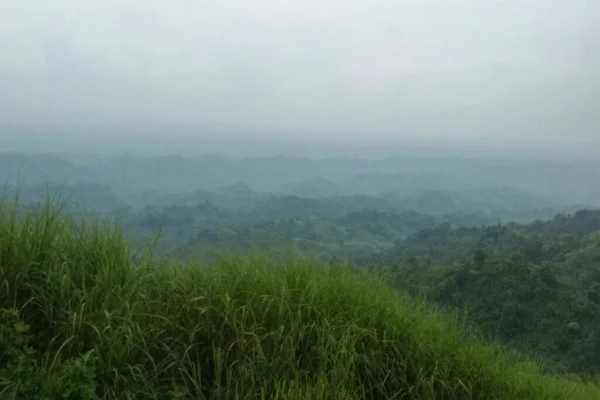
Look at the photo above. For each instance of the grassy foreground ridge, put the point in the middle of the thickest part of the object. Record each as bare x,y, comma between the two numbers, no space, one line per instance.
82,318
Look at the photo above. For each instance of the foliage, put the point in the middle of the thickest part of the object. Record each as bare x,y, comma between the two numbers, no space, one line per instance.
26,374
533,287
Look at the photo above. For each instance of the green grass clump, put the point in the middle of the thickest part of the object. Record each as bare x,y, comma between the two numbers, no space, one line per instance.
82,320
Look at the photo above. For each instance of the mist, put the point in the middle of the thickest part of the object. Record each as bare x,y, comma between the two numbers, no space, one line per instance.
351,78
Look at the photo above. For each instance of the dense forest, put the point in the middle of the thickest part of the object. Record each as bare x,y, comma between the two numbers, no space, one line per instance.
534,287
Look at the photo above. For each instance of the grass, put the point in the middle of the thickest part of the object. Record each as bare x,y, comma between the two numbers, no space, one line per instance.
84,318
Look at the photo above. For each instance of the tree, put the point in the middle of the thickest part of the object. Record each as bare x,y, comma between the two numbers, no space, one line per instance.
479,258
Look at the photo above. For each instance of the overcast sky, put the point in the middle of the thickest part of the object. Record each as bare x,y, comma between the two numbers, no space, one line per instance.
512,71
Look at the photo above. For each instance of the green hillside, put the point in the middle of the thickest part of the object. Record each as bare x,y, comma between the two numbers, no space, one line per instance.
533,287
85,318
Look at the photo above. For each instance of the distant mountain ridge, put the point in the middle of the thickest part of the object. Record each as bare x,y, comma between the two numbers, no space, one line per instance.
143,179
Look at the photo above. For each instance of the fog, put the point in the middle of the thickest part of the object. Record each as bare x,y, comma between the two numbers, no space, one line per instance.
357,77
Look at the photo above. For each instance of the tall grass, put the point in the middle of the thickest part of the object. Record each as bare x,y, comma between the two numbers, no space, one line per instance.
81,320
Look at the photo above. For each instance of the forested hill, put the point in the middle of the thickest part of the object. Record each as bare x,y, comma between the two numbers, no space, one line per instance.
286,224
534,287
351,227
539,241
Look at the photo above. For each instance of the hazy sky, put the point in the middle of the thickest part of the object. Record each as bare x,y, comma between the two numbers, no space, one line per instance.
512,71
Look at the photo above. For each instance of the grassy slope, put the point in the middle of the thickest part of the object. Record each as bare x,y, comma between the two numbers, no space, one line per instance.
100,325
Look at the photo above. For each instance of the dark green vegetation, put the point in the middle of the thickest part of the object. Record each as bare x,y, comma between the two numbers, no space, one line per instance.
534,287
83,318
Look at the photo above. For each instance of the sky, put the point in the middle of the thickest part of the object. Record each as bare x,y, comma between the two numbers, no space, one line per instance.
512,73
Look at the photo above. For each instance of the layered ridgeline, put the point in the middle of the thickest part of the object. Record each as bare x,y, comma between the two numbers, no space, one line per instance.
330,208
84,318
237,218
511,189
